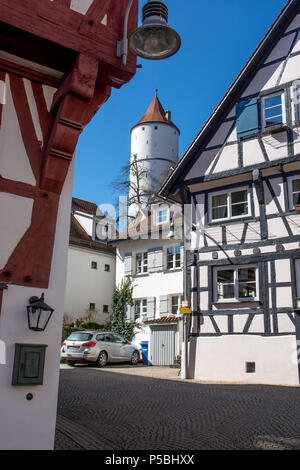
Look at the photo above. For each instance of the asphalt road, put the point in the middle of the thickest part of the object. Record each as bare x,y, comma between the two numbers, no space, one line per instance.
100,410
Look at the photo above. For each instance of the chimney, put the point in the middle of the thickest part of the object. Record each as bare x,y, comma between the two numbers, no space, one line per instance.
168,115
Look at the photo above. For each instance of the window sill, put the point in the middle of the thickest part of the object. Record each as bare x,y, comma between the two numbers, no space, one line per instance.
235,301
173,270
233,219
274,129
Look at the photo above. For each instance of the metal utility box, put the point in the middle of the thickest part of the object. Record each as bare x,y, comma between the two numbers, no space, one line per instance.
145,350
29,364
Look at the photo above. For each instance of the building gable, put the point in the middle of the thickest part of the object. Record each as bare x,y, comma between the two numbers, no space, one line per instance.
236,136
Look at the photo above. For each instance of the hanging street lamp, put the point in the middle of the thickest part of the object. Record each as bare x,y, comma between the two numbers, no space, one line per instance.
154,40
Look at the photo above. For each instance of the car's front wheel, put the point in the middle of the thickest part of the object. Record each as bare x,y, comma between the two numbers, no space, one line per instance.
135,357
102,359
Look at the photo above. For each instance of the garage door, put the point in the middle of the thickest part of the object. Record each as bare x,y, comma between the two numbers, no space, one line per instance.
163,350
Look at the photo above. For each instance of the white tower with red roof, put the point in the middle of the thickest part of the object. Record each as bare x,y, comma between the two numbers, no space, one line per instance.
154,152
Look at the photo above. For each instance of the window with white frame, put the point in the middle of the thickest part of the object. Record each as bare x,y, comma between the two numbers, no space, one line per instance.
229,204
140,308
297,268
273,110
173,257
162,215
141,263
236,284
294,191
175,304
297,102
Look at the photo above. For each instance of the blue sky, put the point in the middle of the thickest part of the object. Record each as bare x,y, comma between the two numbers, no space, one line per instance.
218,37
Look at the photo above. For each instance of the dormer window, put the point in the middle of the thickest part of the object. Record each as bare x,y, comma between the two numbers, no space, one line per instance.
273,110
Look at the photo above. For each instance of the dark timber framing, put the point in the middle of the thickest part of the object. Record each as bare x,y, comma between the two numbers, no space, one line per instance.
269,237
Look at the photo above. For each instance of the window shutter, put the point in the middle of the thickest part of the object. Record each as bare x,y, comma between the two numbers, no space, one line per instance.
182,256
247,120
151,308
128,264
151,261
163,305
155,260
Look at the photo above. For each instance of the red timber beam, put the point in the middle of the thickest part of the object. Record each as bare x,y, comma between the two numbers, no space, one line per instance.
85,34
80,94
2,288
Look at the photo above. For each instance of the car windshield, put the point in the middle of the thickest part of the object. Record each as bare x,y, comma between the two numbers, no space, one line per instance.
80,337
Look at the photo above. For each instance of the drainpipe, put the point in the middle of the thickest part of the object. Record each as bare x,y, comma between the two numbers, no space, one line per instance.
184,362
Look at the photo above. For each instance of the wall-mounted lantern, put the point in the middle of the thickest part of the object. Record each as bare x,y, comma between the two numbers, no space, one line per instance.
38,313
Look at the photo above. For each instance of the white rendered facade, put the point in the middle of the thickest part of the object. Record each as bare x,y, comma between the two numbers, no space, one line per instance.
157,286
90,284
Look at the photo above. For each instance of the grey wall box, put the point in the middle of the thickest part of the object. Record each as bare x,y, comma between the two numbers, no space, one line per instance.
29,364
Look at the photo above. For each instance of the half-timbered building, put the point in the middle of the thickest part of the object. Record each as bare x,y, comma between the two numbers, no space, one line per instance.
241,175
58,64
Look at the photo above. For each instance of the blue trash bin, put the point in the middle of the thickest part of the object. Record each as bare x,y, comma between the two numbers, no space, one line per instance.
145,349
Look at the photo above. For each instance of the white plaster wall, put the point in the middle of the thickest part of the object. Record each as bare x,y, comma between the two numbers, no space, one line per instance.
86,285
14,163
81,6
219,137
85,222
252,152
30,425
223,359
281,49
13,228
294,24
155,143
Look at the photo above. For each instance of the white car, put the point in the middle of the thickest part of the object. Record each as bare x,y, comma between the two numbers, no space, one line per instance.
100,347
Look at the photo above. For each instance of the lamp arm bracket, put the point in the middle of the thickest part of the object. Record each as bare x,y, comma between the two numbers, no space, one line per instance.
122,46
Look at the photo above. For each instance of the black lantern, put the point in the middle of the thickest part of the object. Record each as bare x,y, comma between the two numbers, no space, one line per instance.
38,314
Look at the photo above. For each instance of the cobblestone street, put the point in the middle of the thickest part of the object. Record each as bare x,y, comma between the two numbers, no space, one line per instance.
106,410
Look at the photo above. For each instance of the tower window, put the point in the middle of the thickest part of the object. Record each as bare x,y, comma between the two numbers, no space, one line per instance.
155,127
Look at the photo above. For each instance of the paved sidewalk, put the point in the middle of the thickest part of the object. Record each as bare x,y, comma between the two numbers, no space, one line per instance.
154,372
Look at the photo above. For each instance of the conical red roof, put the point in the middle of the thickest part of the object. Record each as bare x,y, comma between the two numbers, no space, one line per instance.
156,113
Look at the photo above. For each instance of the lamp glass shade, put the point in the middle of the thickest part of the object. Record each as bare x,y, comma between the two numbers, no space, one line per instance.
154,41
38,314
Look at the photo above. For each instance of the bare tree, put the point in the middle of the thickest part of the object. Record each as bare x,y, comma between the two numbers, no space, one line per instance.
131,181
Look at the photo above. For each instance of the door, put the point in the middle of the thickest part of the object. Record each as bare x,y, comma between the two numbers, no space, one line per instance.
123,350
163,347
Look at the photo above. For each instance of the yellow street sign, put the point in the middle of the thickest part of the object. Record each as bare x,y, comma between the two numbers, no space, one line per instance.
185,311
